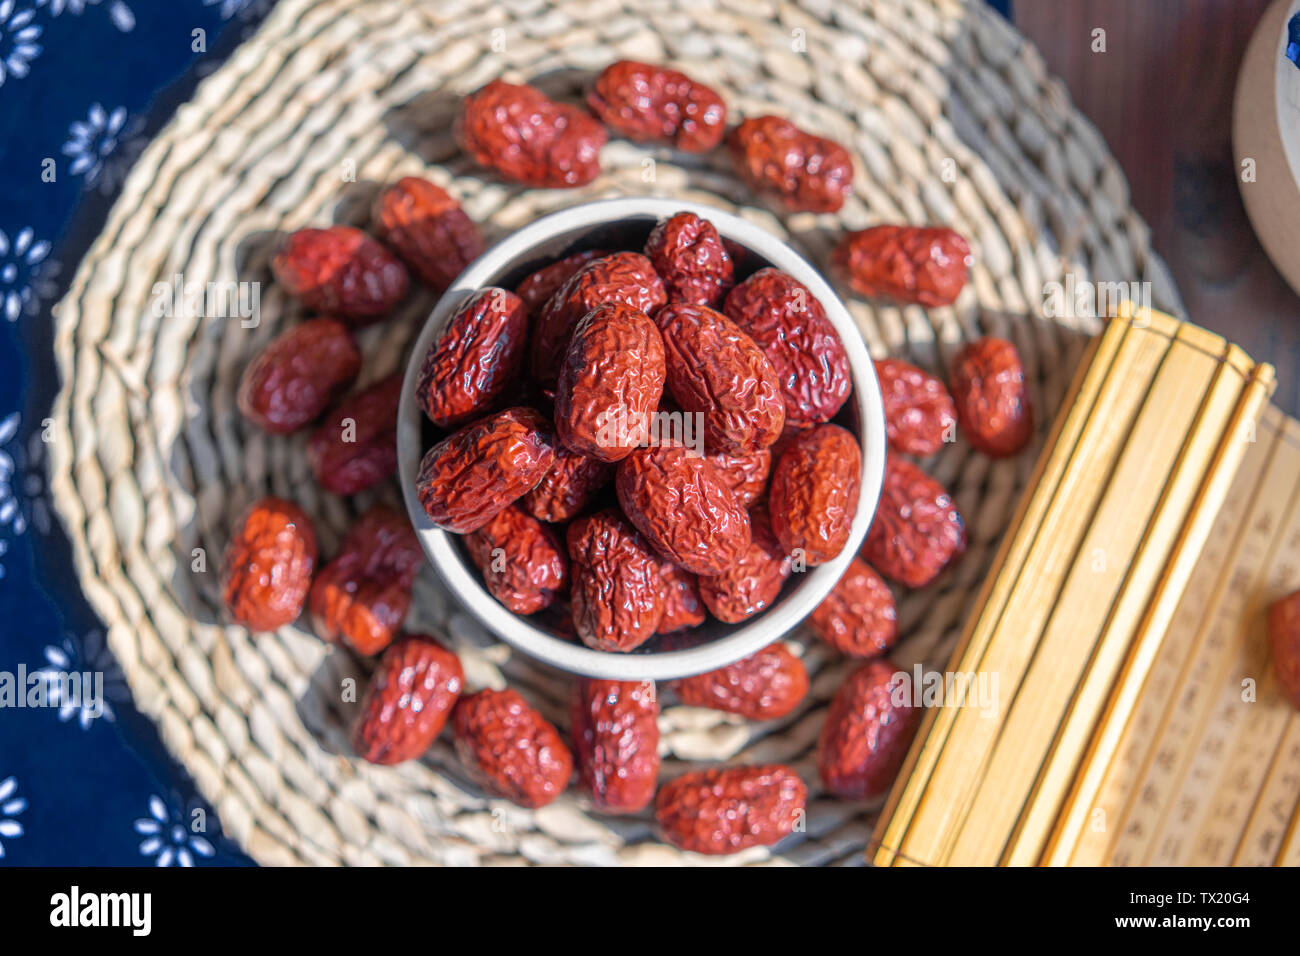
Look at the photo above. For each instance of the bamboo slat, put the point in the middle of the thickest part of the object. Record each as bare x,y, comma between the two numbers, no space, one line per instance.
1091,608
1107,773
1038,552
1211,455
1207,776
902,800
1118,624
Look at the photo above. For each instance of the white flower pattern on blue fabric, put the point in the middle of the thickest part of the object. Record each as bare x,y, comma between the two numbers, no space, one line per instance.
19,506
26,272
99,149
118,12
18,36
10,806
166,838
91,655
93,140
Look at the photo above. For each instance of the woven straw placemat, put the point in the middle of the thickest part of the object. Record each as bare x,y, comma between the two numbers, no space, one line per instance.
953,120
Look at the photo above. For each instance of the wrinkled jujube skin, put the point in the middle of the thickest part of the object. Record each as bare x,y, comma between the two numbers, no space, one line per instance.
410,697
745,475
510,749
615,733
867,733
569,486
347,467
648,103
917,529
610,383
689,256
726,810
993,408
470,476
361,597
539,286
623,277
616,592
752,583
919,413
683,508
683,608
478,356
424,225
298,375
905,263
523,561
268,565
1284,644
528,138
788,323
814,495
716,370
763,686
803,172
859,617
341,271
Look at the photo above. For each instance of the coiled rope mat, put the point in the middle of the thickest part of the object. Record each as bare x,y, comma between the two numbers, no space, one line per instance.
953,120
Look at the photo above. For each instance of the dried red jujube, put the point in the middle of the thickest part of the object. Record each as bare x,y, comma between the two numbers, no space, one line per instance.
470,476
919,413
801,171
764,686
617,593
788,323
689,256
510,748
569,486
610,382
523,561
298,375
1284,644
859,617
917,530
814,495
341,271
408,701
714,369
355,446
906,263
424,225
745,475
684,509
528,138
361,597
615,734
682,605
750,584
268,564
539,286
868,729
478,356
988,387
623,277
649,103
726,810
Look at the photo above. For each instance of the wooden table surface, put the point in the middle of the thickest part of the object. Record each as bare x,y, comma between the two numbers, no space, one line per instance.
1162,95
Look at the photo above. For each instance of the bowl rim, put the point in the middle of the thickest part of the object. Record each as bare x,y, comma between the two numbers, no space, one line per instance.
749,637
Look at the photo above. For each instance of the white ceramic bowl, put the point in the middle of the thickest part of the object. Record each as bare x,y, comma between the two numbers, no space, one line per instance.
624,224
